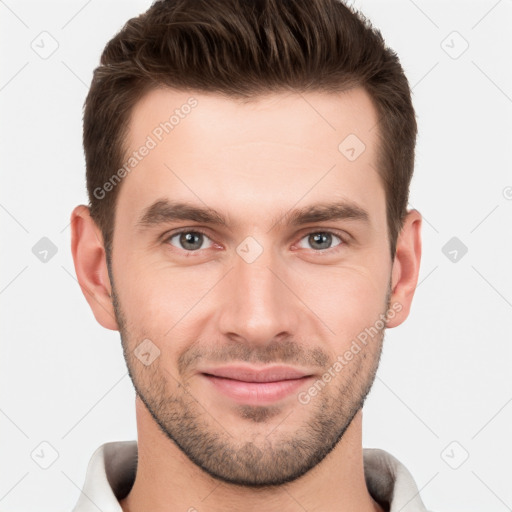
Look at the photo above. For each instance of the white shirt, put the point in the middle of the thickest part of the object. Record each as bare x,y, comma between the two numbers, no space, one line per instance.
111,473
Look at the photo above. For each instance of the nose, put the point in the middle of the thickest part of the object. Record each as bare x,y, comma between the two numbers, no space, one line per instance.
258,301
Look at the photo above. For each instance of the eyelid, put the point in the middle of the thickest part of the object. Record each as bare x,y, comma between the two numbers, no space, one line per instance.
342,235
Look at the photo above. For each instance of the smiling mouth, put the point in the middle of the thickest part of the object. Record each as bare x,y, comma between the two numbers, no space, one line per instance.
256,386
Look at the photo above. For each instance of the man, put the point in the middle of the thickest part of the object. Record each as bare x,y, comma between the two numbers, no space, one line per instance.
248,169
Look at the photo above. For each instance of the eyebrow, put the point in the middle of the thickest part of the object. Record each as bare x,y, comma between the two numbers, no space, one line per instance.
164,211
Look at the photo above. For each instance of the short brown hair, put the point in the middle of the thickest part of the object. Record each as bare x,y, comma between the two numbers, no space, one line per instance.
242,49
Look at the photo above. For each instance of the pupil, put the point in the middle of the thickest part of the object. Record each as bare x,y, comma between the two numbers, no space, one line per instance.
322,238
188,239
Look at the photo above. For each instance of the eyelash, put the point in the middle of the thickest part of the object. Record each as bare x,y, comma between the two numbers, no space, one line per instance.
331,250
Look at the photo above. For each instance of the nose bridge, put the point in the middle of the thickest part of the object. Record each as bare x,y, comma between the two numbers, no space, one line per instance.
258,306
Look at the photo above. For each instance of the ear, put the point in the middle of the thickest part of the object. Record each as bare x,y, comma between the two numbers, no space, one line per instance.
406,267
91,266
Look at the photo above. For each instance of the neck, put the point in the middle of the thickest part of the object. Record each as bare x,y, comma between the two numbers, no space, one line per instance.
167,481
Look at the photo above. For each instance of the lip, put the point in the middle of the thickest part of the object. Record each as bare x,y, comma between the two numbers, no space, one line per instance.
256,386
255,374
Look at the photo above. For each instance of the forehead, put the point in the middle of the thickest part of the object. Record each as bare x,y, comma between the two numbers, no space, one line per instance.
256,157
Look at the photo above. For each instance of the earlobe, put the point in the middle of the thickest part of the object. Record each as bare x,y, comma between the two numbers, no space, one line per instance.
405,271
91,266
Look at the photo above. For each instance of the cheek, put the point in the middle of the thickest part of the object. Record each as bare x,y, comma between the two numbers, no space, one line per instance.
347,299
159,299
168,304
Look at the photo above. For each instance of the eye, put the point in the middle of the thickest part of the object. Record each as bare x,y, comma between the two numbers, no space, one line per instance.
192,240
321,240
189,240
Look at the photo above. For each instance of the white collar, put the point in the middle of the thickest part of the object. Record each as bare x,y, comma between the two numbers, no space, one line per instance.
111,473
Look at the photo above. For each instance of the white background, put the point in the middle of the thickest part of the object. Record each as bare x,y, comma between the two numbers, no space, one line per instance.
445,374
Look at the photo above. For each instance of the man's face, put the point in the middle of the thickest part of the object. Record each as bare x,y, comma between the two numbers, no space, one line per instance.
260,291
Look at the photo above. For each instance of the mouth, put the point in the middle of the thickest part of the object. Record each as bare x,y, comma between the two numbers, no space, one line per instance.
256,386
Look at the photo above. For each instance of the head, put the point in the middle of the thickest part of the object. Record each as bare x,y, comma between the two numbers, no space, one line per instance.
281,135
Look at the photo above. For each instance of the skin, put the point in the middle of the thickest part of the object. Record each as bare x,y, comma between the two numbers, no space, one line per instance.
299,302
